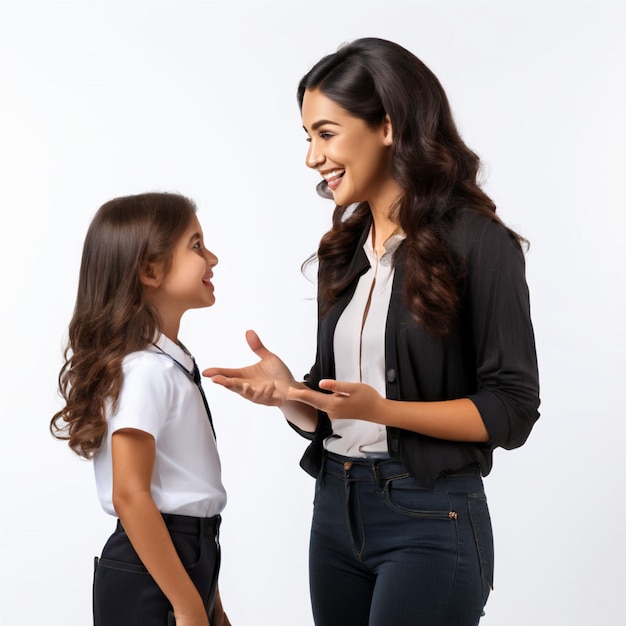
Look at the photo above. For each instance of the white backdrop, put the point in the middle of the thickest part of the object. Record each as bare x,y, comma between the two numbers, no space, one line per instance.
100,99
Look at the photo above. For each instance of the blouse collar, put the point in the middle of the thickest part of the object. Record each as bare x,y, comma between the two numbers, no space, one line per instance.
390,246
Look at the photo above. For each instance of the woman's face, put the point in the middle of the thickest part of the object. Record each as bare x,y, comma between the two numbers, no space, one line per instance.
352,157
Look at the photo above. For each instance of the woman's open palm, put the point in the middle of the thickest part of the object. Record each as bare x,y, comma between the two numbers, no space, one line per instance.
266,382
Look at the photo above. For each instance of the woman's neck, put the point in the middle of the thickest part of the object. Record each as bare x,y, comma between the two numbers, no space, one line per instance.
382,228
382,209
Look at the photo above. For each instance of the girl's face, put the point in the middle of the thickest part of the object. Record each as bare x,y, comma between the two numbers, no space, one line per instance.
187,285
353,158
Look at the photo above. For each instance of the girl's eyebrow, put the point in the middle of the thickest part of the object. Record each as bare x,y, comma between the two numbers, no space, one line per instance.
319,123
195,237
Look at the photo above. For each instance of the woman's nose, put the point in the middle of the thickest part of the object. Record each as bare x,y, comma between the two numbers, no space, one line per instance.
314,157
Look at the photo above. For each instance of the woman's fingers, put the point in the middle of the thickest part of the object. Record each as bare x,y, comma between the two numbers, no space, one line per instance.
256,345
211,372
321,401
265,382
308,396
347,400
259,392
337,386
230,382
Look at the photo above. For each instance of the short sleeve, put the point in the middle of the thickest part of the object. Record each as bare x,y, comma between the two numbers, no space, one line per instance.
145,396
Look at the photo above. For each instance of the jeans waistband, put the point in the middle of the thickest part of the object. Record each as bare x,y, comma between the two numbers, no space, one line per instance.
363,469
375,469
188,524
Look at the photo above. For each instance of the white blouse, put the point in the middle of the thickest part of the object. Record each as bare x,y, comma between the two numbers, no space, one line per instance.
359,346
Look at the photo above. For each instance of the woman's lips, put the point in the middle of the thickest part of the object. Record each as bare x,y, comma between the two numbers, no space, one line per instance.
333,179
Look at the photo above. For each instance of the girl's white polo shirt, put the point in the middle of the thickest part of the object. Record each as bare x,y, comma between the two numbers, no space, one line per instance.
157,397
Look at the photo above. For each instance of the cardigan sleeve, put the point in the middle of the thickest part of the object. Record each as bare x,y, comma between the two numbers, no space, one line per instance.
498,316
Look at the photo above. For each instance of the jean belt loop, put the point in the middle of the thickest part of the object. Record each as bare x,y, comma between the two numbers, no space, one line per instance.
377,476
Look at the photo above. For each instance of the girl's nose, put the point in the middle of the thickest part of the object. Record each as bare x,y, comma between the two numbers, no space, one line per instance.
211,258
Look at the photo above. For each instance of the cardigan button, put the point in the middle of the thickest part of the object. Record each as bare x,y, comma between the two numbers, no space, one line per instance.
391,375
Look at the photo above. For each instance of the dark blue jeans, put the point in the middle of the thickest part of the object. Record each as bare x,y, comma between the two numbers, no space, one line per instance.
386,553
124,593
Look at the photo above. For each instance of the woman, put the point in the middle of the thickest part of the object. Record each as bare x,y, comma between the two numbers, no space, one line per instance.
425,353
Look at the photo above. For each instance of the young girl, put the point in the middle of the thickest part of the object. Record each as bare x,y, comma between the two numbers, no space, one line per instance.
135,405
425,351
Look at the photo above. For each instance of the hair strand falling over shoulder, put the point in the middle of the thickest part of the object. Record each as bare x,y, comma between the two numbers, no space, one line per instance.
112,318
371,78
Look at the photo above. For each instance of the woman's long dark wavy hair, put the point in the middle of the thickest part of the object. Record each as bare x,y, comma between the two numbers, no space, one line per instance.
112,317
371,78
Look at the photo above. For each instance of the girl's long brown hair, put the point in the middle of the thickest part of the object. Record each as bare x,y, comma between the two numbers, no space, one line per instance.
371,78
112,317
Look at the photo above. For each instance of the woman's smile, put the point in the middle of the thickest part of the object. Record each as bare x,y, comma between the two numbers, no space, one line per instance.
351,156
333,178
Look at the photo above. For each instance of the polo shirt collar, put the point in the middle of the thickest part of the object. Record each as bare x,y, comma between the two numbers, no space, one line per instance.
176,350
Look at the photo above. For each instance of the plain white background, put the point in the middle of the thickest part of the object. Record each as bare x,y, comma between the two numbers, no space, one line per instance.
100,99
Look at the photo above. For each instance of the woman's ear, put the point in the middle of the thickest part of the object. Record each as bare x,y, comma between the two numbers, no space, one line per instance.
151,274
387,131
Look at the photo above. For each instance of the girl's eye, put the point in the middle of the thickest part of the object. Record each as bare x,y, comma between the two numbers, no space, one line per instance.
196,246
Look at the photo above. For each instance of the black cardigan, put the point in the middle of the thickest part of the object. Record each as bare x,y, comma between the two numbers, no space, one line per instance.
489,358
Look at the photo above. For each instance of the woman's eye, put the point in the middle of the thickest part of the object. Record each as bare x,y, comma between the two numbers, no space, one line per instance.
325,135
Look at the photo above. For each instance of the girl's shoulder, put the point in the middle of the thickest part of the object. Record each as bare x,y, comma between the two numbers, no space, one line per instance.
147,395
150,386
148,366
148,358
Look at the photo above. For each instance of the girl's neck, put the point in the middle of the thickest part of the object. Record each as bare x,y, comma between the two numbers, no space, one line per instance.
168,316
170,330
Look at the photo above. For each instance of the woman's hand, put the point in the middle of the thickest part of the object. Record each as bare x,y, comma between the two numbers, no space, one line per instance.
348,400
454,420
266,382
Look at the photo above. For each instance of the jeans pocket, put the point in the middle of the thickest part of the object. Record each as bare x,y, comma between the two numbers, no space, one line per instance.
403,496
483,535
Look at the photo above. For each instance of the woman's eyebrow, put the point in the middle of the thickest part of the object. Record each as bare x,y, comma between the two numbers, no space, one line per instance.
319,123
